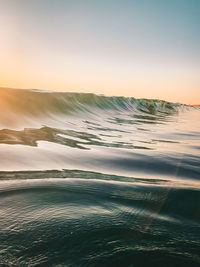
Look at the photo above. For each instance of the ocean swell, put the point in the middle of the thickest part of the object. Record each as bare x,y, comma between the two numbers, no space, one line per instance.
22,106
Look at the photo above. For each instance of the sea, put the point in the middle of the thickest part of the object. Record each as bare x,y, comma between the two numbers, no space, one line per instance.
92,180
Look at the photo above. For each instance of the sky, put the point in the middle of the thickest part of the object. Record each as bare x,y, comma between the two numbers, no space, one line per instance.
139,48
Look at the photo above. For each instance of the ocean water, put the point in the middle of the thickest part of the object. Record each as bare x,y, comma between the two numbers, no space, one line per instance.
89,180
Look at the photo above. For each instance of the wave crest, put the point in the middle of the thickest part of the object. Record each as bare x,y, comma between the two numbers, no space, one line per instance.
19,105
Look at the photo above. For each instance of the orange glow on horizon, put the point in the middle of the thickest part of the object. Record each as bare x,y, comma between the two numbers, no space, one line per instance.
74,50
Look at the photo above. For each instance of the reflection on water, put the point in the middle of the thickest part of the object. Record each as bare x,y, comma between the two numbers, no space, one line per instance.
77,140
89,180
78,222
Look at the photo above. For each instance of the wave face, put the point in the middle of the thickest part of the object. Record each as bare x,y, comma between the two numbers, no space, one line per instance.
20,106
90,180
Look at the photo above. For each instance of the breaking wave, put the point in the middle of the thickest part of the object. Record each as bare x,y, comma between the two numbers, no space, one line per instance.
19,105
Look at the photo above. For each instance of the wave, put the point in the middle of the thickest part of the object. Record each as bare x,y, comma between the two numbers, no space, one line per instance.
19,105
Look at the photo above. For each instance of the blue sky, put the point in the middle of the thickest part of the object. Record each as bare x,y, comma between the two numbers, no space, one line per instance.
143,48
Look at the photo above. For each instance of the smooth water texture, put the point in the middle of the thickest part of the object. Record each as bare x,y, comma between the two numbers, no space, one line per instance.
89,180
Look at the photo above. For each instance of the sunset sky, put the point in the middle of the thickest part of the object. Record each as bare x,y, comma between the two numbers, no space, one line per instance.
140,48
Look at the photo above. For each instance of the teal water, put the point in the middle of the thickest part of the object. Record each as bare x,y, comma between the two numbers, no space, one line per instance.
88,180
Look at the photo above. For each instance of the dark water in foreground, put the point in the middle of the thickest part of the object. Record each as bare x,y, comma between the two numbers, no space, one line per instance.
88,180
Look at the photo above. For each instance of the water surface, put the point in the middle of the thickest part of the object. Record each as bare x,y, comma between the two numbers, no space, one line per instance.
88,180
